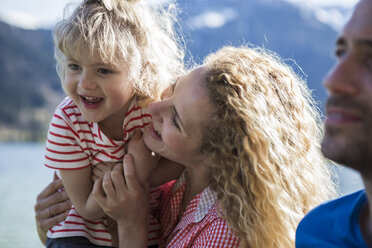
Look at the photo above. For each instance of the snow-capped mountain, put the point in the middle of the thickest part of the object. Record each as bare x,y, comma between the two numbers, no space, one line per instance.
292,31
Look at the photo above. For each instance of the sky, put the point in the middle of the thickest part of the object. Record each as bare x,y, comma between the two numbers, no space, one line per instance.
326,3
33,14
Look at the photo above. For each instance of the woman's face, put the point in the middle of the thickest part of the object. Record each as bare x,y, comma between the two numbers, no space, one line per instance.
178,120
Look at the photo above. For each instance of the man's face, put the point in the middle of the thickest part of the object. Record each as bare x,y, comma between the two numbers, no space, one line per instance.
348,126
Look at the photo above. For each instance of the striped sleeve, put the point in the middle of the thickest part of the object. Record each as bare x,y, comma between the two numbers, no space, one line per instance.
63,149
135,118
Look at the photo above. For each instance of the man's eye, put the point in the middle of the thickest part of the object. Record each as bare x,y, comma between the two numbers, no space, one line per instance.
340,52
74,67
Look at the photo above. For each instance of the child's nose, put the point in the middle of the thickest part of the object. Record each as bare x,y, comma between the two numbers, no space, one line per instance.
87,81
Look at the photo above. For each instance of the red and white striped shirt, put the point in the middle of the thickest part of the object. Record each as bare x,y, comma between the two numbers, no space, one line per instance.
73,143
199,226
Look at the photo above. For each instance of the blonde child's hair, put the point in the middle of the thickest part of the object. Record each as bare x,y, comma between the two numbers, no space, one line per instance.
264,141
129,34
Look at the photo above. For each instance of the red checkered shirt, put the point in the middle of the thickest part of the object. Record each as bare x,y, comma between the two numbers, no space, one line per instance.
200,224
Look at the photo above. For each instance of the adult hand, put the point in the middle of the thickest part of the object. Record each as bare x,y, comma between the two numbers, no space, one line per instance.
52,206
99,170
124,199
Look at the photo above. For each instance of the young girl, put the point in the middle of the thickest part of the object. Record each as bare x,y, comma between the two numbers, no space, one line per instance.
111,56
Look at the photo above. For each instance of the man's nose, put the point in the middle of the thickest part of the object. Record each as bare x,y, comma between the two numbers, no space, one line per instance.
343,78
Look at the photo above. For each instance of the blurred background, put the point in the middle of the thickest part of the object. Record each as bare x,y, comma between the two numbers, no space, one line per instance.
303,33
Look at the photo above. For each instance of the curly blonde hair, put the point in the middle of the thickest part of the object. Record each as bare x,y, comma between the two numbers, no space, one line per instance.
264,141
125,33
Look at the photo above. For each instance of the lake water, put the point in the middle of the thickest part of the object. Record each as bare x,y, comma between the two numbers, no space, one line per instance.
23,176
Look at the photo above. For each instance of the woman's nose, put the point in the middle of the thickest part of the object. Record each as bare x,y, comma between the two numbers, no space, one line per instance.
157,110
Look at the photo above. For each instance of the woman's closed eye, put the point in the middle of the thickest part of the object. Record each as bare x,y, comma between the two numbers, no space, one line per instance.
174,119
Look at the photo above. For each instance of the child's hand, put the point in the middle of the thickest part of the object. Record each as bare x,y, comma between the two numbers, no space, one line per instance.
121,196
143,161
99,170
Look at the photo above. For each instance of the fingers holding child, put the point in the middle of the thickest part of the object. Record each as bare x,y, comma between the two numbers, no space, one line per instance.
99,170
52,206
121,196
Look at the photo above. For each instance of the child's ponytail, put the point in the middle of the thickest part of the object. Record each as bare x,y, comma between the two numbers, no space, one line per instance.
111,4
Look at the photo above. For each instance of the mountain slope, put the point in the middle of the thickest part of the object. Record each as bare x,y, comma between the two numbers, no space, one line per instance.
276,25
28,81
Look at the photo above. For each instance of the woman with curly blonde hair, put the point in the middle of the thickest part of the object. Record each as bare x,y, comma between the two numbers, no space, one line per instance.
247,131
264,141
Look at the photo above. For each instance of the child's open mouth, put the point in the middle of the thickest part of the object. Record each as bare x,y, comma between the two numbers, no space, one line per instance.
91,101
